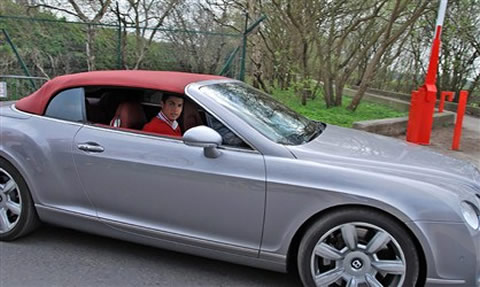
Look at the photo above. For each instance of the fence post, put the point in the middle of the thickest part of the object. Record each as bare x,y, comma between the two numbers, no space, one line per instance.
244,50
227,65
19,58
246,32
119,46
119,39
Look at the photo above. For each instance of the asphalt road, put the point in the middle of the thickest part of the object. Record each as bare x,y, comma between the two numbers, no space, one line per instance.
61,257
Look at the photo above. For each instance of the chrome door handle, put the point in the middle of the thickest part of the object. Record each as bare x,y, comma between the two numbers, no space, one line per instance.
90,147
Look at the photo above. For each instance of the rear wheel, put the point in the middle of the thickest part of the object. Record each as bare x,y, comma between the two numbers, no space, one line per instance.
357,247
17,213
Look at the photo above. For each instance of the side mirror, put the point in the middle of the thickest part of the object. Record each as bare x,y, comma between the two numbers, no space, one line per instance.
203,136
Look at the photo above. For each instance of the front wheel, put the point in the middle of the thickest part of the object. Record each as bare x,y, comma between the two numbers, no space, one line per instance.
357,247
17,213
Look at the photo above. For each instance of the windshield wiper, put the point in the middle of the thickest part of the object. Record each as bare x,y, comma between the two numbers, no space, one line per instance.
318,130
294,139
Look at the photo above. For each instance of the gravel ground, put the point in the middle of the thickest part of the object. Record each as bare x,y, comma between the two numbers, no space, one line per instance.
441,141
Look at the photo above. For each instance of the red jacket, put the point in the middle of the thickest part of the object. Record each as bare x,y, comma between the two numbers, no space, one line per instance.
159,126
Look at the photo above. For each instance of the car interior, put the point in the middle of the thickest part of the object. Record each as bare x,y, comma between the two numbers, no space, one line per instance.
130,109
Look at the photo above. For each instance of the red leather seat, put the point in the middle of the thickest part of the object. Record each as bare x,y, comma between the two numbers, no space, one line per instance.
129,115
190,116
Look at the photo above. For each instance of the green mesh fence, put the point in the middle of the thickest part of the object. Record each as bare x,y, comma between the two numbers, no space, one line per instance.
14,87
178,50
49,47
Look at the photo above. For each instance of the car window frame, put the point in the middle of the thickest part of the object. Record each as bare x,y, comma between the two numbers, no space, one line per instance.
251,148
159,137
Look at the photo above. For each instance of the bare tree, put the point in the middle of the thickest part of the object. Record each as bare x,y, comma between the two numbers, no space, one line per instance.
350,32
90,12
459,56
393,31
305,44
197,46
146,17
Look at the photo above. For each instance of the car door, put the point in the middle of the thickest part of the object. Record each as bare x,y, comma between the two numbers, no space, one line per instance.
163,185
47,150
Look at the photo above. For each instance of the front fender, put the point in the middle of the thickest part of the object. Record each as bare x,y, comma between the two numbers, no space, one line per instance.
297,190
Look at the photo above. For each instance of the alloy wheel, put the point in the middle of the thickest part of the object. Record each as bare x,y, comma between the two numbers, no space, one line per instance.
358,254
10,202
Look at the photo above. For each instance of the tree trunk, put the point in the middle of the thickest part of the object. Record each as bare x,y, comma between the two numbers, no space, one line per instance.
124,46
339,85
366,78
288,81
305,91
261,84
90,49
304,96
328,90
474,84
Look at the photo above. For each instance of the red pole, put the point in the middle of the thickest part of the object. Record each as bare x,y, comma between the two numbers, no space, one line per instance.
431,77
462,105
414,117
429,93
420,119
444,94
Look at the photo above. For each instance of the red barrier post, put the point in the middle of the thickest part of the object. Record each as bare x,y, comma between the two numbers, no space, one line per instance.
414,117
462,105
427,98
444,94
427,112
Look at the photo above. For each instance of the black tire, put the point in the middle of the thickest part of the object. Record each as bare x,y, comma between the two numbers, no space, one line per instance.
360,218
28,218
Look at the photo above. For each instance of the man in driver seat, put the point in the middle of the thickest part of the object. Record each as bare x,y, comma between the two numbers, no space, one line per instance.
165,122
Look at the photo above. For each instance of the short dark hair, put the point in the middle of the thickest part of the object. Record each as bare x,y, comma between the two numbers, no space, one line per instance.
166,96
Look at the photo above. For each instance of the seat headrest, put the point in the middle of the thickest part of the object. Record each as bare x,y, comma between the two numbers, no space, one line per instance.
129,115
190,116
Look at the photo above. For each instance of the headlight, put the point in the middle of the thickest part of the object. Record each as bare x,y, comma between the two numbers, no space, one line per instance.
470,215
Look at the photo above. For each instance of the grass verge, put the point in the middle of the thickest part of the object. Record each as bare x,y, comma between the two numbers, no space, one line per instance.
317,110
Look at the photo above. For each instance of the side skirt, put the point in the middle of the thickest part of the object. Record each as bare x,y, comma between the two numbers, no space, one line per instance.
160,239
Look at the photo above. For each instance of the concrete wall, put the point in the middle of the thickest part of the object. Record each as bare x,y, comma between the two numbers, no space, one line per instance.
475,112
398,126
394,103
400,102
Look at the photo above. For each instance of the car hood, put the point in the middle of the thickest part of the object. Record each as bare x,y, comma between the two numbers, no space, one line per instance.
371,152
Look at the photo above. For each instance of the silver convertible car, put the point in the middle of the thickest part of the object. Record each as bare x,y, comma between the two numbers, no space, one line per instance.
249,182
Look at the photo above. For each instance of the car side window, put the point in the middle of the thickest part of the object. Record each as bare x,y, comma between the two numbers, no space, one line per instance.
68,105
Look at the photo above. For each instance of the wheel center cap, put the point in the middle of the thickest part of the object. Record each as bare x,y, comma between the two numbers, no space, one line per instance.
357,264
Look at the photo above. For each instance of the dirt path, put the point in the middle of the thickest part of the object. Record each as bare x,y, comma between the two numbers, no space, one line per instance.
441,141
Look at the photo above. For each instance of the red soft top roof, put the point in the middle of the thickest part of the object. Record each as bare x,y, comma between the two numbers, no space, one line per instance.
174,82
